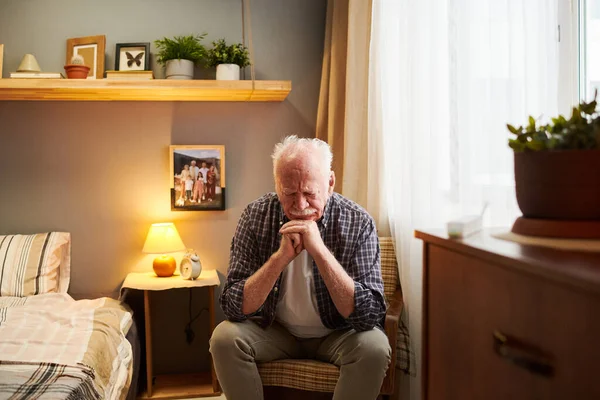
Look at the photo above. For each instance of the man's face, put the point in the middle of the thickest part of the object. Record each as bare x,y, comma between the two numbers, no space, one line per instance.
203,165
193,163
303,188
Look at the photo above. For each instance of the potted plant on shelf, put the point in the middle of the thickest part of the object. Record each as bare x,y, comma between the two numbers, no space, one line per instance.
228,59
180,54
557,166
76,68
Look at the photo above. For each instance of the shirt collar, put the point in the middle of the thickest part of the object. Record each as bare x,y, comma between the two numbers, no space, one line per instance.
326,212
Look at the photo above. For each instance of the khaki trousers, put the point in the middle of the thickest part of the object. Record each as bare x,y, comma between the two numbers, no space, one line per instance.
236,347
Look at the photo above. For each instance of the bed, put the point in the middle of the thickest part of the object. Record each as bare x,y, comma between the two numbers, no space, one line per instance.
52,346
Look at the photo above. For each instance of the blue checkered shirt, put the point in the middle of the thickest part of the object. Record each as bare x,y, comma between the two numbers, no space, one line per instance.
349,233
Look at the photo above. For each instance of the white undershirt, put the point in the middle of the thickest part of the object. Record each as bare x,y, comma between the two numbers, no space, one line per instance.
297,308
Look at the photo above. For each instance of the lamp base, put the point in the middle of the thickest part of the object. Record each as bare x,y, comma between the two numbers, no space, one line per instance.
556,228
164,266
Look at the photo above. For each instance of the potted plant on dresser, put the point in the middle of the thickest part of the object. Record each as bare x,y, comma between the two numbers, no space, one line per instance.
180,55
557,174
76,69
228,59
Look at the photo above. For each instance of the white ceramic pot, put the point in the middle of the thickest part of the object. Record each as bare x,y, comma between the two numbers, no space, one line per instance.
228,72
180,69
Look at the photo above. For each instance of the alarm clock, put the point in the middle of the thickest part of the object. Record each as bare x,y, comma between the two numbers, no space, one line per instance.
190,266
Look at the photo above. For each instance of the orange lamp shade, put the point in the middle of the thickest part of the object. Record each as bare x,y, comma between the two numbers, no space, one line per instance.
163,238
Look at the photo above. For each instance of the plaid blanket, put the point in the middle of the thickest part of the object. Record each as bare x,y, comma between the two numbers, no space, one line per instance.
405,358
46,381
53,347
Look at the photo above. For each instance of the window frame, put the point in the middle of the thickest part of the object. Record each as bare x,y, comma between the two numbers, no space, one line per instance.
569,33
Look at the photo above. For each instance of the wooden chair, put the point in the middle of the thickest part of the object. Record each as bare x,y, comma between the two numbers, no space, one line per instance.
321,377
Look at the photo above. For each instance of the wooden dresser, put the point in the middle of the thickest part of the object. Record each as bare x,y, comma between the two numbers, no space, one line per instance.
505,321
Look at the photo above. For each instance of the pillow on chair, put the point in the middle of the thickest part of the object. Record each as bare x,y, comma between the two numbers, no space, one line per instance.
35,264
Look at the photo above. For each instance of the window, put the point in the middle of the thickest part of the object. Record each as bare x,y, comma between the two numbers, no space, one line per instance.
578,34
589,47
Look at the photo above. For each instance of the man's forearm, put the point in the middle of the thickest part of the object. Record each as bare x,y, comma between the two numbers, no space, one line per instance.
338,282
259,285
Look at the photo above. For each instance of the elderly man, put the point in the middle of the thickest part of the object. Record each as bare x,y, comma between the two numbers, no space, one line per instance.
304,281
194,170
204,172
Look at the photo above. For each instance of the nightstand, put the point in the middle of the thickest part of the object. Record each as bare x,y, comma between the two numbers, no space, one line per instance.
182,385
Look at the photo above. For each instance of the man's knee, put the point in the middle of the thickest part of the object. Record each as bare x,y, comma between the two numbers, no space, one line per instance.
373,347
224,336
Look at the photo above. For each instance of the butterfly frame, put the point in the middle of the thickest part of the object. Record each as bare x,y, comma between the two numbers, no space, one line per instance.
132,57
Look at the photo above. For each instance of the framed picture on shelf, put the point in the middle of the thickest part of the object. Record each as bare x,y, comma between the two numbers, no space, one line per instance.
197,177
132,57
92,49
1,58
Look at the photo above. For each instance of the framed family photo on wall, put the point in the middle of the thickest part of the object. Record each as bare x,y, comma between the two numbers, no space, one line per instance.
92,49
1,58
197,177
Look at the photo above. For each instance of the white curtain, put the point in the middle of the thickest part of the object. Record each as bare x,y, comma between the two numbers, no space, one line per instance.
445,78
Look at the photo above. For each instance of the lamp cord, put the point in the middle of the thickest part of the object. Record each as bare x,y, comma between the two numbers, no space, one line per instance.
189,332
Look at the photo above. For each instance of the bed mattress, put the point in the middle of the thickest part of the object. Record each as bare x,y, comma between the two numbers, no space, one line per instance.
53,347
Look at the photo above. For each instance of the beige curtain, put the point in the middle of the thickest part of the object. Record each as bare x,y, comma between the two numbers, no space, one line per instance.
343,114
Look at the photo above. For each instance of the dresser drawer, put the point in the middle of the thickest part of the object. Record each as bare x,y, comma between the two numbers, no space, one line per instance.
552,329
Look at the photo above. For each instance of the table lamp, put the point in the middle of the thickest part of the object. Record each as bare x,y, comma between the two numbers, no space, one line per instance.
163,238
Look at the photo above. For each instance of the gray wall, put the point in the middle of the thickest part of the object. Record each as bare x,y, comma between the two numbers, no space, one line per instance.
100,170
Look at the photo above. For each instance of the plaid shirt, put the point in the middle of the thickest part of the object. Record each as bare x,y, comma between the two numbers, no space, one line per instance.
349,233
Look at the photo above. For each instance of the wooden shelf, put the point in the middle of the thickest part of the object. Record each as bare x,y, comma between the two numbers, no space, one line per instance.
151,90
182,386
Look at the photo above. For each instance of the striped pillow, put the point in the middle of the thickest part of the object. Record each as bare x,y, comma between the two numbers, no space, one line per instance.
35,264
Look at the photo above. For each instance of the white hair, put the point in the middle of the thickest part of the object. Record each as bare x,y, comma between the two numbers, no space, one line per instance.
292,145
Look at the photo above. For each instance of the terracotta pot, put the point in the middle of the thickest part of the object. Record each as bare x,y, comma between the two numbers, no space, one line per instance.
77,71
559,184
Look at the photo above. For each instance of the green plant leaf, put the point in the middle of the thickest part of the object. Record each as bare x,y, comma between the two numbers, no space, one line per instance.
221,53
516,145
588,108
181,47
581,131
575,114
512,129
535,145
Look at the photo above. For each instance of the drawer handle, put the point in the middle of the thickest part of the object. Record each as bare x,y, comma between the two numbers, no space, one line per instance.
523,355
